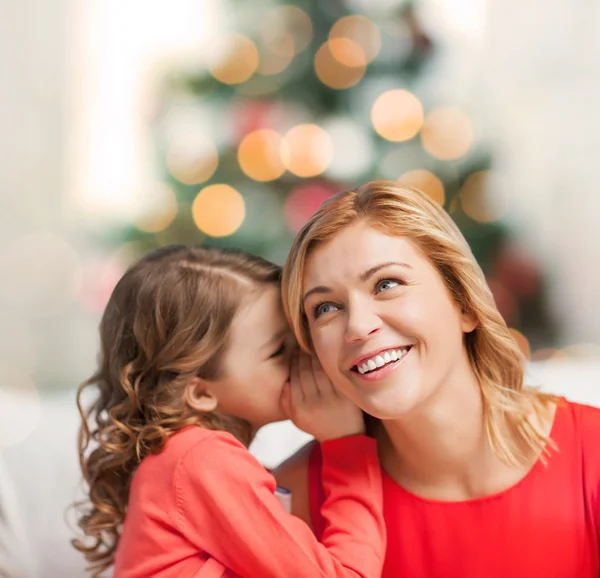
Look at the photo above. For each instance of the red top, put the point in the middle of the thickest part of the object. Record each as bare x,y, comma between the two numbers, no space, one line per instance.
204,508
545,526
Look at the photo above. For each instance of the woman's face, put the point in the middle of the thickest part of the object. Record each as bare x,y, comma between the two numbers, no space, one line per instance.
382,321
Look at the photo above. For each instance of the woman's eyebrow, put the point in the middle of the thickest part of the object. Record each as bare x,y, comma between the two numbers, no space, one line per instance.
322,289
370,272
318,289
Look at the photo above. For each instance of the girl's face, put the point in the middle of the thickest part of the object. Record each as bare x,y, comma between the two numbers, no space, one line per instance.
382,321
256,364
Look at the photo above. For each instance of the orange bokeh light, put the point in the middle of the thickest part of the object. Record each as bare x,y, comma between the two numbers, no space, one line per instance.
425,181
362,31
259,155
397,115
331,68
306,150
447,134
233,59
218,210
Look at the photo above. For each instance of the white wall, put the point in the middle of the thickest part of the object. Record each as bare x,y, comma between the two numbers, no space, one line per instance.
542,72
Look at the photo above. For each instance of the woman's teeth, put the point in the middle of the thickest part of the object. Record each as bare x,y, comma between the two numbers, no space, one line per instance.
381,359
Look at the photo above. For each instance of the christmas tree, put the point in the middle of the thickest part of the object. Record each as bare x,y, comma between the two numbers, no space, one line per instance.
301,100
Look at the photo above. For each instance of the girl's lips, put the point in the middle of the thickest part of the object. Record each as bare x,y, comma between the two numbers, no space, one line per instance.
382,372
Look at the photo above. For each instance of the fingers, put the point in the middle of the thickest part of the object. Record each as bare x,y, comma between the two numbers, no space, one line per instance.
322,381
308,382
295,387
286,400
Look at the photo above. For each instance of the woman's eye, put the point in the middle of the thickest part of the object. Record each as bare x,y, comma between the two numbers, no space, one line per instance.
322,308
386,284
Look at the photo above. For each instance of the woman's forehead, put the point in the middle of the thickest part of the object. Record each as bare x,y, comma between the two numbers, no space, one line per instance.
354,251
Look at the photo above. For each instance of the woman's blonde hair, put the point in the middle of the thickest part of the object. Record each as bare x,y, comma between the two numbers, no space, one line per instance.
495,357
167,321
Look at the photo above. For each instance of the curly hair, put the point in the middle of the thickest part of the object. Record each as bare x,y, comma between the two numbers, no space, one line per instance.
494,355
167,321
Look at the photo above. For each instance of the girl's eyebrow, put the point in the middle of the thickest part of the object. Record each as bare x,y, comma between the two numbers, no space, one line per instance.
277,337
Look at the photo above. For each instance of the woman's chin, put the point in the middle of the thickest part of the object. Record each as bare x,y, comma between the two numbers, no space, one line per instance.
389,405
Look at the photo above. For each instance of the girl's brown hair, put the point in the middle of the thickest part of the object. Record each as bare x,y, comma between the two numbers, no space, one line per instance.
167,321
494,355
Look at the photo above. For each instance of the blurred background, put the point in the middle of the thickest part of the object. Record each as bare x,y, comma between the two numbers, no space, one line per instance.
129,125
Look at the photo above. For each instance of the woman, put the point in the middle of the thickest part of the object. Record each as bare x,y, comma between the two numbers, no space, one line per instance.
482,476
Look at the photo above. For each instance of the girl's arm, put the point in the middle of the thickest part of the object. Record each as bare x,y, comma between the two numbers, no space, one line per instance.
226,507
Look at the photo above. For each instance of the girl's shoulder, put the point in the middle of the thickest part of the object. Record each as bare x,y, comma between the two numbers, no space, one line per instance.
188,444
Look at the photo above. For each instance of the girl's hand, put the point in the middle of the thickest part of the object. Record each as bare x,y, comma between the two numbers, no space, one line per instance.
311,401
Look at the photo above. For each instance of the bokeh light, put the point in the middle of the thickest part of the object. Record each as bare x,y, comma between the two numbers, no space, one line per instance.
191,158
294,21
332,71
259,155
447,134
363,33
397,115
522,342
505,301
276,52
306,150
518,270
352,148
347,52
20,410
303,201
159,209
233,59
218,210
99,278
41,274
484,197
425,181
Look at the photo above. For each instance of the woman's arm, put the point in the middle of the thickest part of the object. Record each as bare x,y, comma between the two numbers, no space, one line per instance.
292,474
226,507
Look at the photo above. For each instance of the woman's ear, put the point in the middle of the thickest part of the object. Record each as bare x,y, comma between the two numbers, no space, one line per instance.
469,322
198,395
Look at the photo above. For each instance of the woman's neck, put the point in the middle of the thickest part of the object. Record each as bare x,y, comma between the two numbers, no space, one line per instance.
441,449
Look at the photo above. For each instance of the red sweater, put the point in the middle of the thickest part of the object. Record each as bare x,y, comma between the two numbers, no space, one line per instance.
205,508
546,526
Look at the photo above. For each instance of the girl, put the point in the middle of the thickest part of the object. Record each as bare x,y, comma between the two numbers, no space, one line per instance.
194,359
382,286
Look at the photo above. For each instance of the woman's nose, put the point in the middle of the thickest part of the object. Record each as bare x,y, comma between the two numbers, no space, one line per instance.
361,323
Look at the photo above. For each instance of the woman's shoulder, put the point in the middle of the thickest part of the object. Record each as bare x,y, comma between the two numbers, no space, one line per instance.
585,417
581,424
